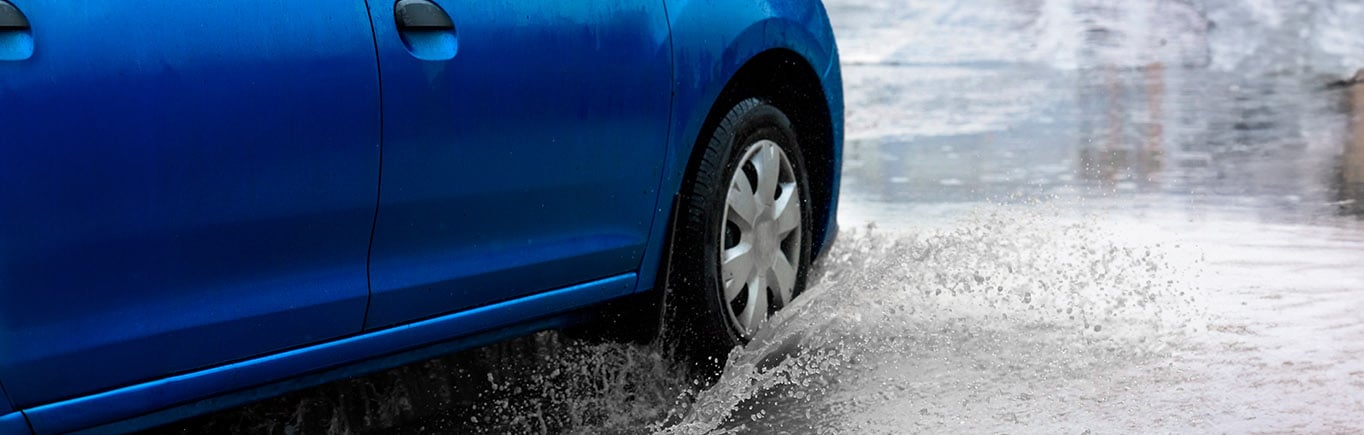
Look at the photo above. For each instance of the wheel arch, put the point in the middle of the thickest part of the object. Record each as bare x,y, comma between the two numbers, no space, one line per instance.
720,57
799,92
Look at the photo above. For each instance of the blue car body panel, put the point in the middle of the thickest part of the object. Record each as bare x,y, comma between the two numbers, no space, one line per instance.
528,160
186,183
14,423
253,197
11,422
108,406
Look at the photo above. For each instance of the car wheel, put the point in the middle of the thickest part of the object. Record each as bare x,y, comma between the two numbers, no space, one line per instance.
743,235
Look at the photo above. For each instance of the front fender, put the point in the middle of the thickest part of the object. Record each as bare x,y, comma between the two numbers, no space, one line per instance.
711,41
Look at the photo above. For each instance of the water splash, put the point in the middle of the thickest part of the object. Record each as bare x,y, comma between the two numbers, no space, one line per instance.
578,387
1004,293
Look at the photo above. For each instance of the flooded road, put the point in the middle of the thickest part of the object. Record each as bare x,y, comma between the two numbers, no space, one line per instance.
1059,216
1087,217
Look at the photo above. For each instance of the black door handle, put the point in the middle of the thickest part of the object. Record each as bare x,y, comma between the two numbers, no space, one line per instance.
11,18
421,15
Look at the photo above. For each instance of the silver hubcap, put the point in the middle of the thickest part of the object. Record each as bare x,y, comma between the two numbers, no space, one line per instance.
760,237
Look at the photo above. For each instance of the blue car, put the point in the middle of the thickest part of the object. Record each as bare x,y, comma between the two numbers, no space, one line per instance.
204,203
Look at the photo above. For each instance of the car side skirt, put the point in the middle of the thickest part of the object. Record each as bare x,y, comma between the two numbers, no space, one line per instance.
13,424
184,395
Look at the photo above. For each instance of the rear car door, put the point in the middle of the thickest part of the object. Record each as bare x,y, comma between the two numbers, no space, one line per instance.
185,183
523,144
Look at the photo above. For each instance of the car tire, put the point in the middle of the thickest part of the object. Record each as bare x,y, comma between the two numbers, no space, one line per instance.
742,241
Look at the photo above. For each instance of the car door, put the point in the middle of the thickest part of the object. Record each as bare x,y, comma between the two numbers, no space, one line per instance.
523,143
185,183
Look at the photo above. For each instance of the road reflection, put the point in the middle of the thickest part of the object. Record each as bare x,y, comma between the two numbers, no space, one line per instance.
1351,180
1182,133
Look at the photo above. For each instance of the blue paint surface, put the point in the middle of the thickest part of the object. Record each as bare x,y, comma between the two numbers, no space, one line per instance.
111,405
14,424
186,183
528,161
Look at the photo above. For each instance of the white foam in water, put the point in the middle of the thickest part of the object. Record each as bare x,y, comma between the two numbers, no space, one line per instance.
1009,291
583,388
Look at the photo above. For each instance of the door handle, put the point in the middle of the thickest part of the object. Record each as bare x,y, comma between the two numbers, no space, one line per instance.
10,17
426,30
16,39
421,15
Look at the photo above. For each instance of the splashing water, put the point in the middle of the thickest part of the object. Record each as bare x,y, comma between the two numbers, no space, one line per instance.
1005,292
583,388
1007,296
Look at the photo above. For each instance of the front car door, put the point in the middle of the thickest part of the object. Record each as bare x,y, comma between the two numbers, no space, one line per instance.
185,183
523,147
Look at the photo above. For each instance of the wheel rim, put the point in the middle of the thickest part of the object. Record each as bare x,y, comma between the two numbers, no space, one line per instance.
760,244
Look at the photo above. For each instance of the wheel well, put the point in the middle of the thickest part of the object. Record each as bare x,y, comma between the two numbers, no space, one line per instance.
787,81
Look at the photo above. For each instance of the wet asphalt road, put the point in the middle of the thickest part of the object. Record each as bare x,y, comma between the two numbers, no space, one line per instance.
1059,216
